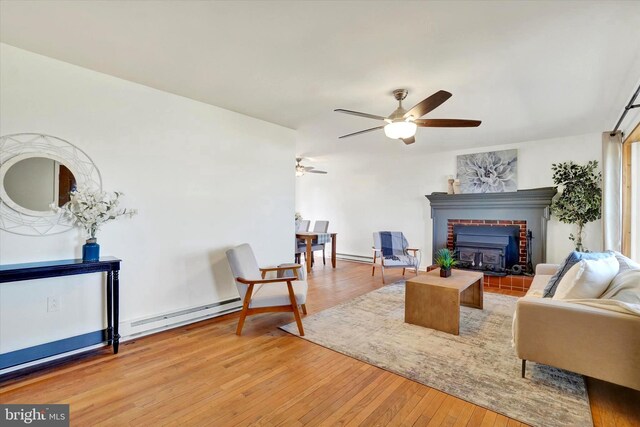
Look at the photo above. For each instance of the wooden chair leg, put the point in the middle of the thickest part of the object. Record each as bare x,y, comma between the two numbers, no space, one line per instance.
403,271
324,261
524,367
294,305
373,265
245,308
382,275
304,308
243,315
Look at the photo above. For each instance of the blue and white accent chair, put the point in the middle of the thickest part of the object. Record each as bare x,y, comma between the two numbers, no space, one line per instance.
397,253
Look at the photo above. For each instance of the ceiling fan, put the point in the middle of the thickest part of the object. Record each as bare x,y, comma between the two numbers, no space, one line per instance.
301,170
402,124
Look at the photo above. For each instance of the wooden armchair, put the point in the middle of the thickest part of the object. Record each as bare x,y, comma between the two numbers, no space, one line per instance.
261,295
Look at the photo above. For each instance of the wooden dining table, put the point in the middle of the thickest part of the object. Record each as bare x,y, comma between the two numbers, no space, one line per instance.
308,238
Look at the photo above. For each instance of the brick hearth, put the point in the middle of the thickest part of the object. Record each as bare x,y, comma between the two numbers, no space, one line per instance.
515,283
522,256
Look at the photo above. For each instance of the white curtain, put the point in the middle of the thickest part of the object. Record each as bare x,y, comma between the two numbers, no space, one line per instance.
612,190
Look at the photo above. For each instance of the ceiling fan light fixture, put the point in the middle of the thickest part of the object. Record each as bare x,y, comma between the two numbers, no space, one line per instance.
299,170
400,129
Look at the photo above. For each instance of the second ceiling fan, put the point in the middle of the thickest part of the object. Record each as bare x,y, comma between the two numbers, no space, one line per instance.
402,124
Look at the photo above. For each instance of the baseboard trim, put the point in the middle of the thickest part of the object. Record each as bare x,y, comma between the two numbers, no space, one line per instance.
53,348
27,360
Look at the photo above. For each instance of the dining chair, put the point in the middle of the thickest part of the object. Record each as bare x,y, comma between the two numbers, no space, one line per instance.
303,226
261,295
319,227
392,249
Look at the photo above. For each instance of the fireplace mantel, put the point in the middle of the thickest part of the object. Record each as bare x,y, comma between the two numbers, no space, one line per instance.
532,206
536,197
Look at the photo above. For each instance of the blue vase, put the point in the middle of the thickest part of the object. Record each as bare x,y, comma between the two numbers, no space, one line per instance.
91,251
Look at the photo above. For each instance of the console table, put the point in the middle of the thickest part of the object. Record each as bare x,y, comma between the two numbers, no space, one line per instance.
42,270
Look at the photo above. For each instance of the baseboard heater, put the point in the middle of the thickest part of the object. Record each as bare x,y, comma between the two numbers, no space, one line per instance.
356,258
52,351
149,325
365,259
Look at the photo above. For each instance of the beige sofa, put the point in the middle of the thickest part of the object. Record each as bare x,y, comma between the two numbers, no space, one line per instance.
591,341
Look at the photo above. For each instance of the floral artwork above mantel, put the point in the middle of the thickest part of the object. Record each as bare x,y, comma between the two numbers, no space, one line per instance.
490,172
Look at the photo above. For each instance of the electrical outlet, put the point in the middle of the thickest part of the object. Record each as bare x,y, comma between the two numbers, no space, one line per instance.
53,304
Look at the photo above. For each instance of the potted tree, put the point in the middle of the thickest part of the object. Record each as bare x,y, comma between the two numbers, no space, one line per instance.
445,260
581,197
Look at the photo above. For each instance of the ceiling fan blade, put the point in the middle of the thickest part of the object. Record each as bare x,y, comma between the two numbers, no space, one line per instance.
362,131
357,113
316,171
428,104
410,140
447,123
308,168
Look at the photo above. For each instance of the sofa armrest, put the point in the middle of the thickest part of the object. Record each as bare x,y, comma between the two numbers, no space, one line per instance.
591,341
547,269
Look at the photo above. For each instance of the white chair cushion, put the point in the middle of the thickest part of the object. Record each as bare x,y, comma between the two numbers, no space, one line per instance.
588,278
302,271
275,294
243,264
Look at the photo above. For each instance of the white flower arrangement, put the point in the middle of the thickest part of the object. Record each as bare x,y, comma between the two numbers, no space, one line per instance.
90,209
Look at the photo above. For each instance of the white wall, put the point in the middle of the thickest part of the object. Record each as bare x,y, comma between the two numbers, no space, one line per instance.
384,187
203,178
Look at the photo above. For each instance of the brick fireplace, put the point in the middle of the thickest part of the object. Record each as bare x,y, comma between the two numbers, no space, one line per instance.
529,210
522,234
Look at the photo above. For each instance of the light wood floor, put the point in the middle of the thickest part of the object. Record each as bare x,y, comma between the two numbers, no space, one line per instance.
203,374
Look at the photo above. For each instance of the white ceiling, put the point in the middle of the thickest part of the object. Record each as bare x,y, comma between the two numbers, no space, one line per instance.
529,70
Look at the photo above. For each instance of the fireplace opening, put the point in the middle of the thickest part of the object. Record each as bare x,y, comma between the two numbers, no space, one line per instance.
488,248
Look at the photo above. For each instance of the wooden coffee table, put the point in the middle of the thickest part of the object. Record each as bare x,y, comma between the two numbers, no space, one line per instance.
434,302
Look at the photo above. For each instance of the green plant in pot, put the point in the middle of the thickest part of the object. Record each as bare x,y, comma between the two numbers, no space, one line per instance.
445,260
581,197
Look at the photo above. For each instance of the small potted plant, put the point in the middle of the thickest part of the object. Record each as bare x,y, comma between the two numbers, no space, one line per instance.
445,260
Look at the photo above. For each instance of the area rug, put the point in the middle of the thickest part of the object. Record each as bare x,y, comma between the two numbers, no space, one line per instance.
478,366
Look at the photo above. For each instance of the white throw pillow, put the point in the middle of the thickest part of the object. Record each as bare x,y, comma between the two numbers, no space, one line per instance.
625,263
625,287
587,279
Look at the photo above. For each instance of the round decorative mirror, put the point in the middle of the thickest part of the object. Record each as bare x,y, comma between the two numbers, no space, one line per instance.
34,184
39,172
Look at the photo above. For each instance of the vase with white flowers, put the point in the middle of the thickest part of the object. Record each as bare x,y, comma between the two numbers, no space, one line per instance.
90,209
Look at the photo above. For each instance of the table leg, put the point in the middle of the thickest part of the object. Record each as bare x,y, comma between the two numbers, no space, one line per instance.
116,310
473,295
109,307
333,251
308,240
